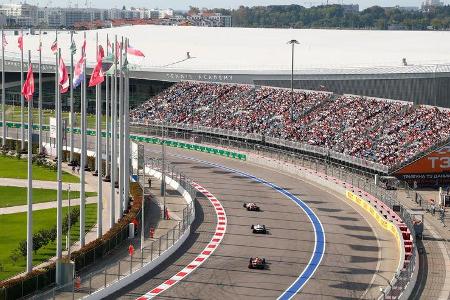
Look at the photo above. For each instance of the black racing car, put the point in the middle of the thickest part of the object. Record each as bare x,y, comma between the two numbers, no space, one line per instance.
257,263
258,228
251,206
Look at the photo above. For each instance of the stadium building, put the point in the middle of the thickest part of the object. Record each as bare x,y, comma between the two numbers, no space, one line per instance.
398,65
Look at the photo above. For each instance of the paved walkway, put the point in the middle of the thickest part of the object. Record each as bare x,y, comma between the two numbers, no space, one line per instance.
118,263
44,205
435,260
44,184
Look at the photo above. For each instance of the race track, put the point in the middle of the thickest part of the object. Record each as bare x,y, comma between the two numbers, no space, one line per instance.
346,271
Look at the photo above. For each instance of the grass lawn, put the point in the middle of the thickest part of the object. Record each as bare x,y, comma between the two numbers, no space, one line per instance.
13,168
13,115
13,196
14,230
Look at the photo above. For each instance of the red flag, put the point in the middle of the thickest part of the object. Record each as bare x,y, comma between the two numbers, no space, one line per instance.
20,42
134,51
83,49
28,86
118,47
97,76
100,53
63,77
54,47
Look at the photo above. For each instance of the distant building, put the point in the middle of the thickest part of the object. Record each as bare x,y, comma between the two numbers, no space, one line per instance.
209,19
20,15
404,8
429,5
3,21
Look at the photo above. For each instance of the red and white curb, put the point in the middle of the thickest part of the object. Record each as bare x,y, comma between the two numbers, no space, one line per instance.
204,255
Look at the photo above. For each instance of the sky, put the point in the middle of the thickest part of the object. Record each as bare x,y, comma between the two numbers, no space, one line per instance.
184,4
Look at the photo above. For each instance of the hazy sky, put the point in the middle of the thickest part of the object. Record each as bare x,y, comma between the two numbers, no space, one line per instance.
183,4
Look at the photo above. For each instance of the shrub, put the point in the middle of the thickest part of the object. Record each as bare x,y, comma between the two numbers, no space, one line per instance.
22,249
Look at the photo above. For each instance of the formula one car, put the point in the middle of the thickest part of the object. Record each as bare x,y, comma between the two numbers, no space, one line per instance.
258,228
251,206
257,263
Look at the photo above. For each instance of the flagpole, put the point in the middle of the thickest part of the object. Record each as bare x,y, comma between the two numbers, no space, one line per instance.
40,93
112,207
107,168
3,92
121,144
83,154
99,154
30,184
22,104
56,64
59,232
71,118
126,130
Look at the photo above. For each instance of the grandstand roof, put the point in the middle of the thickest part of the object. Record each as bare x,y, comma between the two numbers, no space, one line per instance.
256,49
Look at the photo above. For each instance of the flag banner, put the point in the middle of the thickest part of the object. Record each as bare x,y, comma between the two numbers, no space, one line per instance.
54,46
78,77
111,70
125,64
100,53
73,48
107,63
134,51
83,49
5,42
63,77
118,47
28,86
20,42
97,76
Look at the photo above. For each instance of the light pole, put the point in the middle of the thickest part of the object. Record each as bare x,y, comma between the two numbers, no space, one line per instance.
292,43
68,225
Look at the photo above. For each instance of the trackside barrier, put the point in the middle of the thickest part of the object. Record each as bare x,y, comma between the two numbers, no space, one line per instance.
150,140
144,266
112,277
391,222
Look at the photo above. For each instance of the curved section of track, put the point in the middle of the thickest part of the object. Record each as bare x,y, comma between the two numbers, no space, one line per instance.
204,255
319,233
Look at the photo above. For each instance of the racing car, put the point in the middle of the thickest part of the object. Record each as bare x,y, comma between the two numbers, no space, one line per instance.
257,263
251,206
258,228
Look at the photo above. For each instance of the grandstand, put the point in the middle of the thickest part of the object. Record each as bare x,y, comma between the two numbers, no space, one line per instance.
386,132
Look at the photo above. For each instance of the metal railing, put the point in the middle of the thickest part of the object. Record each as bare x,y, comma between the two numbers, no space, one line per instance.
346,172
106,274
297,146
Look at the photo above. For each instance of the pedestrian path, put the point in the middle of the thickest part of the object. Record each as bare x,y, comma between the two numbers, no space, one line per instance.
435,257
118,263
44,205
43,184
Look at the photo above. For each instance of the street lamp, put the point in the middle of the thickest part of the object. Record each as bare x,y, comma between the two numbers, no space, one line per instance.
293,43
68,225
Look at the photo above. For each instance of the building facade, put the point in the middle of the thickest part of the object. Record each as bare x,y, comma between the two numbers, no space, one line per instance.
20,15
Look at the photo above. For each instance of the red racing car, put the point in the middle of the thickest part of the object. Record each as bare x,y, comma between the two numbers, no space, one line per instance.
251,206
257,263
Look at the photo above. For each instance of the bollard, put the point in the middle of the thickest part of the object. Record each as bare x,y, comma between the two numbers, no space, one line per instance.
152,232
118,272
151,252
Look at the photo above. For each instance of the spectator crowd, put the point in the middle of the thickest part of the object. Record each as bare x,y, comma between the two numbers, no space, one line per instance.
383,131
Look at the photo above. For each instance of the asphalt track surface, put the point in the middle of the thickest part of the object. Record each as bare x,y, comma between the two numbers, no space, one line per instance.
345,272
